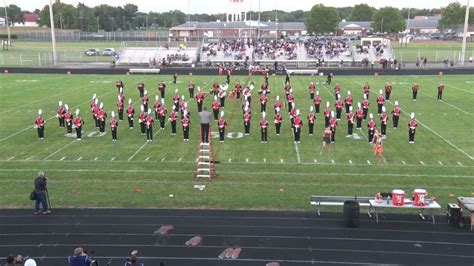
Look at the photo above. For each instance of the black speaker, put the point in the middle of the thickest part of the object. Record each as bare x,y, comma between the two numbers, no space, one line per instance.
351,213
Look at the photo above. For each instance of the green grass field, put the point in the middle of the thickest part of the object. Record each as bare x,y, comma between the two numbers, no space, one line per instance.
99,172
435,51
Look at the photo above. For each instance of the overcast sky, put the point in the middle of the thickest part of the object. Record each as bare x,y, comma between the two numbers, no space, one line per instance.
219,6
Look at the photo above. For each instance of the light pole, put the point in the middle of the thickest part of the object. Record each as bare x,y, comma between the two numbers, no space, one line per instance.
53,37
258,26
381,27
464,37
7,22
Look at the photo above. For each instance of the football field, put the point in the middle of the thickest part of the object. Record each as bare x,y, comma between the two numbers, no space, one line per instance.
278,175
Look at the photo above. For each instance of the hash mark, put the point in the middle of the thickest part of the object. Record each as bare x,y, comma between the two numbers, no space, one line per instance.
147,158
368,162
78,159
403,162
350,161
333,162
163,159
95,159
422,163
247,160
460,164
62,159
440,163
9,159
281,160
180,159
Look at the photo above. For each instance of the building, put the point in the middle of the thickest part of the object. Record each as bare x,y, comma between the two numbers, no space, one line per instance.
423,25
2,21
29,20
237,29
354,27
237,11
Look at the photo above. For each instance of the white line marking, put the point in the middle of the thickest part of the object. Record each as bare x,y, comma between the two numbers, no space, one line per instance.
29,158
96,158
180,159
163,159
281,160
62,159
428,79
459,163
247,160
350,161
333,162
440,163
422,163
60,149
78,159
315,161
147,158
230,160
298,158
11,158
368,162
403,162
264,160
113,158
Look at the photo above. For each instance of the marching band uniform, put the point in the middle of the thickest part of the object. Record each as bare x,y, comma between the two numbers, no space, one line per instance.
175,78
173,117
113,126
121,96
414,90
120,85
327,115
176,100
278,120
247,117
141,119
311,119
380,102
162,114
95,113
199,99
247,93
312,89
348,101
238,89
291,100
359,116
149,126
141,88
60,114
367,90
191,87
215,87
287,89
440,91
337,91
264,88
185,122
39,124
384,121
101,115
156,106
221,95
396,115
371,128
278,105
263,102
339,106
264,128
215,108
350,122
332,127
145,100
130,113
412,129
365,106
162,89
388,91
182,106
68,119
78,122
221,124
120,107
292,116
94,104
317,102
297,125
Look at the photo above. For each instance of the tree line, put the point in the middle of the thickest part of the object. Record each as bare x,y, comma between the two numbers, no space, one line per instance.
320,19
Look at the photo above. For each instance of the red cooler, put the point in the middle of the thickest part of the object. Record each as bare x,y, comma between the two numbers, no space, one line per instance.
398,197
419,195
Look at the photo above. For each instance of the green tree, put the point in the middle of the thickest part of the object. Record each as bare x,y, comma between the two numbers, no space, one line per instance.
362,12
388,19
15,15
322,19
344,12
453,15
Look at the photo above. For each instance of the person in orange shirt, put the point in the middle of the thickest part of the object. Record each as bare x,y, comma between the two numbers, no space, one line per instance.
378,145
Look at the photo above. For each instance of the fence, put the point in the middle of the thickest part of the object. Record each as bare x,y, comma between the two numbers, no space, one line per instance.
433,56
39,59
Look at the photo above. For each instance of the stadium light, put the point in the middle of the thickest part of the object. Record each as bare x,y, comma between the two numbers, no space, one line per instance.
53,37
464,37
7,22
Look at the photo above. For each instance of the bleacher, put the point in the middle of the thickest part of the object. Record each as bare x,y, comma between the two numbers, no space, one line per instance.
154,56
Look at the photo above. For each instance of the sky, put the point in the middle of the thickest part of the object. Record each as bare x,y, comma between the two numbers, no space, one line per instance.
220,6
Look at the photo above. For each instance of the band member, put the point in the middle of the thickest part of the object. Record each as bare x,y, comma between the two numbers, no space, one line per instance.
383,122
93,101
339,106
141,120
199,99
185,122
130,113
332,127
326,142
264,128
145,100
60,114
395,115
329,79
440,91
412,128
156,106
182,105
287,89
291,100
367,90
371,128
247,93
95,113
120,85
215,87
359,116
297,125
141,88
68,119
350,122
175,78
215,108
39,124
414,90
221,124
238,89
191,87
113,126
266,76
292,115
317,102
77,124
312,89
277,105
120,107
264,88
221,94
162,89
149,125
337,90
162,111
173,117
287,78
365,106
378,145
101,115
263,102
229,72
380,102
388,91
327,115
348,101
121,96
247,117
278,120
311,120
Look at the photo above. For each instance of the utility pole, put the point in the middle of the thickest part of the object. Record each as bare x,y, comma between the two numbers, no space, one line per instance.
464,37
276,20
7,22
258,26
408,20
53,37
189,11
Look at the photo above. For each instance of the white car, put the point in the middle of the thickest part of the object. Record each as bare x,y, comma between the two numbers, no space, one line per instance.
108,51
92,52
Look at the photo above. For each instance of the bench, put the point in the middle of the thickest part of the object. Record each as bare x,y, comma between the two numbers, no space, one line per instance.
338,201
144,70
302,71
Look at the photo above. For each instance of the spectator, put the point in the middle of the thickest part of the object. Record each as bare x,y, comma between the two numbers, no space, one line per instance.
41,186
205,118
13,260
79,258
133,260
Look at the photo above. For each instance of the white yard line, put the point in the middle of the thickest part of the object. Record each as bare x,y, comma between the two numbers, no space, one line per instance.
422,163
60,149
298,157
437,83
440,163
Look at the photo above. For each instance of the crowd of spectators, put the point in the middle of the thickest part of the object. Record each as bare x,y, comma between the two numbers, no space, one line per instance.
330,48
275,49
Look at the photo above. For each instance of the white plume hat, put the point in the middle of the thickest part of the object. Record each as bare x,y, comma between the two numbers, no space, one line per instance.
380,92
66,107
130,101
222,113
412,115
77,112
327,104
156,97
371,116
278,98
359,105
317,92
142,108
264,114
332,113
350,108
101,105
162,101
396,102
145,92
311,108
348,92
113,114
60,103
40,112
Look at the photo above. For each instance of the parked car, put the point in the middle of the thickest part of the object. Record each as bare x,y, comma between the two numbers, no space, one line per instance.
108,51
92,52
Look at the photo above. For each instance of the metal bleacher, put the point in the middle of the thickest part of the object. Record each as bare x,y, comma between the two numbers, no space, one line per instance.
140,56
